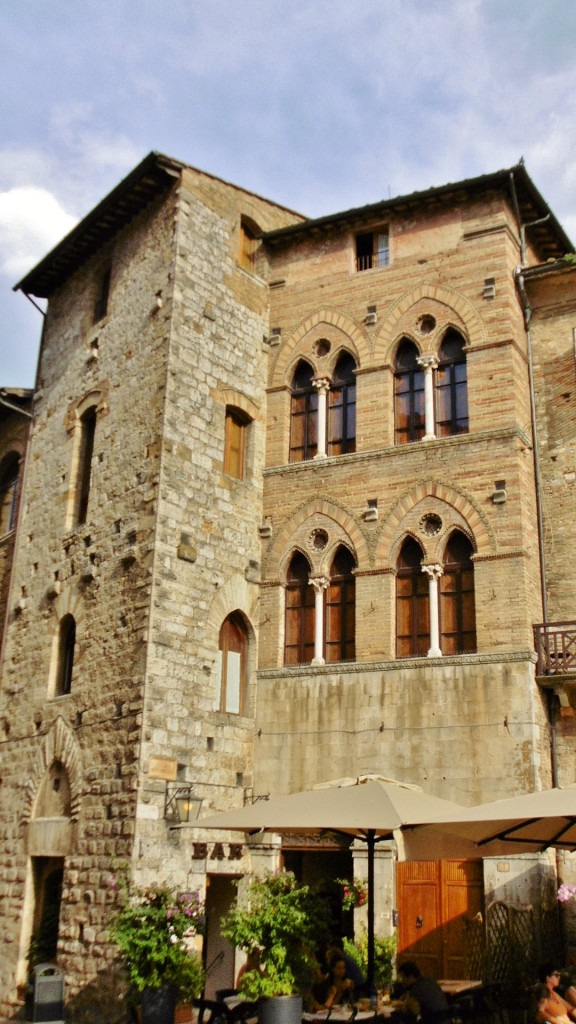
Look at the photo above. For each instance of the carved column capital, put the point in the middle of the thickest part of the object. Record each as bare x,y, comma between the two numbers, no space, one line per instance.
434,571
427,363
320,584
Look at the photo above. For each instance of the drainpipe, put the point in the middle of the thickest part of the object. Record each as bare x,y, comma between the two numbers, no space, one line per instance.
527,312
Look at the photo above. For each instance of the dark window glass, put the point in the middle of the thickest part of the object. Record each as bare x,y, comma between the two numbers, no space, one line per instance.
408,394
66,644
84,473
342,408
451,387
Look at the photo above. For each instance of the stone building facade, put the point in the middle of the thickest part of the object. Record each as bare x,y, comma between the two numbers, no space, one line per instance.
283,521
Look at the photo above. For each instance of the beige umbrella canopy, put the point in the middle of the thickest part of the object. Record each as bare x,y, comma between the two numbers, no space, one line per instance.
530,823
370,808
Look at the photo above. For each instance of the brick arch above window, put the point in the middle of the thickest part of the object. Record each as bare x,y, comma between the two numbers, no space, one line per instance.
313,514
330,325
235,595
448,307
235,399
469,518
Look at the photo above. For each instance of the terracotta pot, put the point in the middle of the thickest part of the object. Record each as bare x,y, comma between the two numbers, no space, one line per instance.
184,1014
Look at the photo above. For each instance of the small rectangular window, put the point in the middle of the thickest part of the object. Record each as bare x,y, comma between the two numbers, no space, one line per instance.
373,249
247,254
235,443
101,302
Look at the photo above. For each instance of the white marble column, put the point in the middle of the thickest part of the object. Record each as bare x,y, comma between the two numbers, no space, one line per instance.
320,584
434,572
322,385
428,364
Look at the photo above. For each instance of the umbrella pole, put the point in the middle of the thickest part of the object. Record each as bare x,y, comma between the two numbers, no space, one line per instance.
371,841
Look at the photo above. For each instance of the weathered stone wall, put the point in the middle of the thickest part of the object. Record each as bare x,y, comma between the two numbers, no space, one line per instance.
466,729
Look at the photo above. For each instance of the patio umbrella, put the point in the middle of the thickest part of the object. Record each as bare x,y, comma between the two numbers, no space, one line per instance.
369,808
530,823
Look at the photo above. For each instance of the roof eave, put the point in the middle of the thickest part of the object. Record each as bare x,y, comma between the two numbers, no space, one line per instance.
127,199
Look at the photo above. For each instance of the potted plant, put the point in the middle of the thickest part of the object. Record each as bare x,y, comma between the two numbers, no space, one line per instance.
278,923
155,929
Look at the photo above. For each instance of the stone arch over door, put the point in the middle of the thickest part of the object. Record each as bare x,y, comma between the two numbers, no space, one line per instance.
59,745
340,330
51,807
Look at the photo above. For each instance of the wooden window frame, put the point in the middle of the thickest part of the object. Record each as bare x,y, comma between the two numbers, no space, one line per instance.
408,381
235,442
303,416
457,590
232,640
340,609
342,396
451,390
299,613
412,603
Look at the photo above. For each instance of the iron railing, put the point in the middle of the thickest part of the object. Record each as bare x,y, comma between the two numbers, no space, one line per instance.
555,644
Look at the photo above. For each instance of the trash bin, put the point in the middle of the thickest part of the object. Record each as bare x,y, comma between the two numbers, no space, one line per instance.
45,996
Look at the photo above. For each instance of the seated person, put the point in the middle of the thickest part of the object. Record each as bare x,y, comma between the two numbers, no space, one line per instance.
340,986
567,988
352,967
423,997
554,1008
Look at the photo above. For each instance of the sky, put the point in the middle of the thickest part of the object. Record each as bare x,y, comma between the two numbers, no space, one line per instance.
320,105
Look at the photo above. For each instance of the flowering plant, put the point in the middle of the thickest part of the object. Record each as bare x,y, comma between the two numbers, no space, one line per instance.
566,892
154,930
354,893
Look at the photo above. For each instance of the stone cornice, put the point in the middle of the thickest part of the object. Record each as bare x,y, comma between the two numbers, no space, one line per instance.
394,665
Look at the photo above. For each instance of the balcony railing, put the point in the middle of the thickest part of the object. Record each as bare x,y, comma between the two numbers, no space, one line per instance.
555,644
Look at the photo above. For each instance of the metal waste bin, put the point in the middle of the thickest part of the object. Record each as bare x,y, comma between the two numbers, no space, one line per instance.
45,997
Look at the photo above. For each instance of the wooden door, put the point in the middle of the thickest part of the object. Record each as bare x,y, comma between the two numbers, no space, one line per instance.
437,900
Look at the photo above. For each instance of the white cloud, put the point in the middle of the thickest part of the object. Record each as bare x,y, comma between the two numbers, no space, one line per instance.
31,222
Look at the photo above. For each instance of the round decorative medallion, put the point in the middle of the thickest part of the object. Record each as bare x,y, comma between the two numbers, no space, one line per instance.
426,323
322,347
430,524
319,539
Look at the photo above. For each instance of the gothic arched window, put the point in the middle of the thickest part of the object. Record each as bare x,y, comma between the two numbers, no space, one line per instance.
451,386
457,602
408,394
342,407
412,602
303,415
232,648
299,622
341,608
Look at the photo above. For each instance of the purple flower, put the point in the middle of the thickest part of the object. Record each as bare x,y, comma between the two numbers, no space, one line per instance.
566,892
